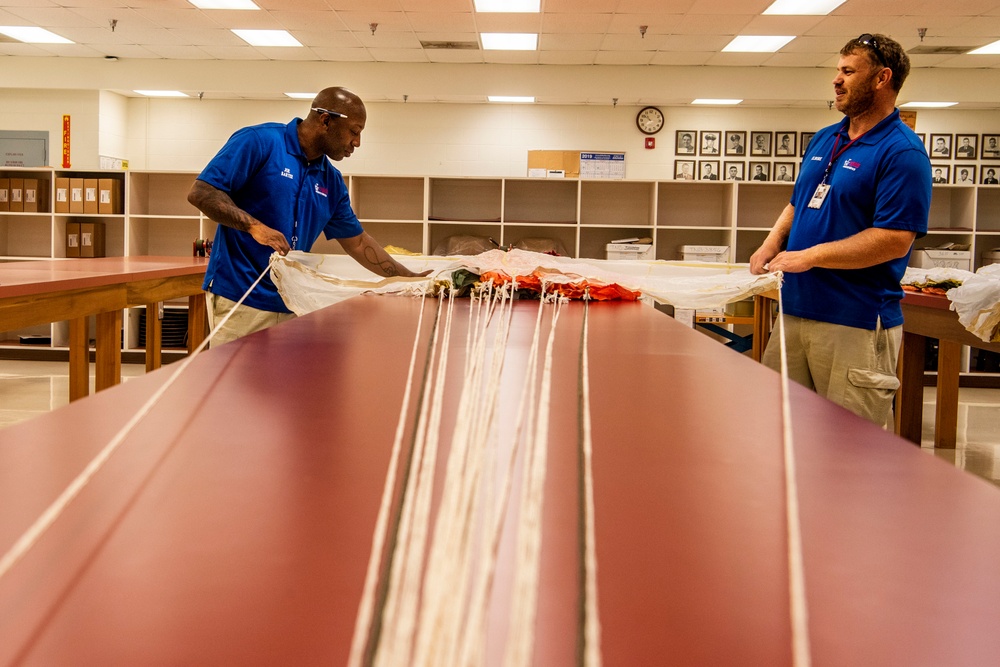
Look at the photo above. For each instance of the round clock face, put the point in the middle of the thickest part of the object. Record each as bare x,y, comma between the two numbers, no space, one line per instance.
649,120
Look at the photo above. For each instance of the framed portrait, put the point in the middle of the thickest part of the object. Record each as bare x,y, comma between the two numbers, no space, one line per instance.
683,170
736,142
940,174
710,142
804,139
733,171
759,171
940,146
923,138
708,170
990,147
991,174
965,146
784,172
964,174
784,144
760,144
684,144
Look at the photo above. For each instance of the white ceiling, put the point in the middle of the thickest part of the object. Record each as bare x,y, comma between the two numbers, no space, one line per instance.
580,33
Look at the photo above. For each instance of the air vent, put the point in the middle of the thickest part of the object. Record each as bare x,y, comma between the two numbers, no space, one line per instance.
927,50
455,46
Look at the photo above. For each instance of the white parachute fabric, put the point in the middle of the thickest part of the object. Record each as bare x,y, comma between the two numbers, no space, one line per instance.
309,281
977,302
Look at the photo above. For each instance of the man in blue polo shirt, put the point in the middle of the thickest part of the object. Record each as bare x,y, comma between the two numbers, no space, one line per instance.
863,195
272,189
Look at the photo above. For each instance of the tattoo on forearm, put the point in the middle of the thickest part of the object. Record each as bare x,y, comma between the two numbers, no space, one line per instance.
388,268
221,208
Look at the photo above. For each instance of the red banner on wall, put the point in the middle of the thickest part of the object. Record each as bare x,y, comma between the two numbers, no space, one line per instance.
65,142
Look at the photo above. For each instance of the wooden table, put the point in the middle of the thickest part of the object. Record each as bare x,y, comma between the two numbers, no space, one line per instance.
929,316
234,525
45,291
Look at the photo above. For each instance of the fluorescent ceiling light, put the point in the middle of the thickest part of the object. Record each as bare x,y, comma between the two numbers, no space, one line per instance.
803,7
223,4
707,100
510,41
301,96
757,43
988,50
927,105
161,93
32,35
267,37
511,98
523,6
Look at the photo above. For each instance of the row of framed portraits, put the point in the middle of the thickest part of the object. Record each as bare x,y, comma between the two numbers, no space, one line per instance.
737,143
962,146
717,170
965,174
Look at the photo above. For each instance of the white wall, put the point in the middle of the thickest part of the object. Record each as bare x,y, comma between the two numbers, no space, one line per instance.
406,139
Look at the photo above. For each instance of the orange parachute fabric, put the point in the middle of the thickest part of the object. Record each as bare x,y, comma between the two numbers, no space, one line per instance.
577,289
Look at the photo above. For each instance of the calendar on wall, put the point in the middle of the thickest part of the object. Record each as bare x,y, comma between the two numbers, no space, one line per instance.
602,165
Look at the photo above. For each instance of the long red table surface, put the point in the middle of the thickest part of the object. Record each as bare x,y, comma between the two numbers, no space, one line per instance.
234,524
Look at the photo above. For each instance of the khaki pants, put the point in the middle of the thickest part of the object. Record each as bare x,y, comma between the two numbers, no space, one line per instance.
244,321
855,368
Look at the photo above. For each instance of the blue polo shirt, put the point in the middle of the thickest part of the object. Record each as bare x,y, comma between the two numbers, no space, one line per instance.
265,172
882,180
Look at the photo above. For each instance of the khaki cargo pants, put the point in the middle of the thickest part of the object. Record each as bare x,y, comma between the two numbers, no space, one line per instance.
244,321
855,368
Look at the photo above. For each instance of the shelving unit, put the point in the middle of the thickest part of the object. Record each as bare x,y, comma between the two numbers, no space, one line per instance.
418,213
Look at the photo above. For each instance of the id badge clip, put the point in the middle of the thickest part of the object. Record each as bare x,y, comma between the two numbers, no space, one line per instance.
819,196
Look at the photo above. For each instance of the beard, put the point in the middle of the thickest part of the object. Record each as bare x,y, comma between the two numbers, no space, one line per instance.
859,99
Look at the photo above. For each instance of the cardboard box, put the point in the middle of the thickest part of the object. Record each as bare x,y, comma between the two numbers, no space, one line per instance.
90,195
4,194
35,195
62,195
72,239
92,239
16,194
928,258
705,253
991,256
630,251
109,196
76,195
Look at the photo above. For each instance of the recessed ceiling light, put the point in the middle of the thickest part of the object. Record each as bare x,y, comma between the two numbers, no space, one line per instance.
223,4
33,35
988,50
803,7
161,93
267,37
757,43
523,6
301,96
927,105
510,41
520,99
707,100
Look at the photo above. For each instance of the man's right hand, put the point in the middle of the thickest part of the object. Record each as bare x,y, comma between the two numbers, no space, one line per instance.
270,237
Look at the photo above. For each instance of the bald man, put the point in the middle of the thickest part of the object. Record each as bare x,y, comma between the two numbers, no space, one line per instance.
272,188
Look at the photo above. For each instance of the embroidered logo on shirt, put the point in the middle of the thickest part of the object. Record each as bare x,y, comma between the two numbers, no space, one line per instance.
817,158
851,164
287,173
320,191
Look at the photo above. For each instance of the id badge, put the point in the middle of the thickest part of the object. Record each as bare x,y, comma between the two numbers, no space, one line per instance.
819,196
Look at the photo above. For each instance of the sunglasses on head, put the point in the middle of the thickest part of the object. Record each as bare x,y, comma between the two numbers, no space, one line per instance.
869,40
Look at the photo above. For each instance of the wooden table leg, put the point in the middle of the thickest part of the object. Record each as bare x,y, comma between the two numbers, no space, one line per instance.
197,320
154,337
761,325
79,359
109,350
946,424
910,397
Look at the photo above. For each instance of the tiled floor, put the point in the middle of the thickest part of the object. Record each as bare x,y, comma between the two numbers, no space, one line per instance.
31,388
